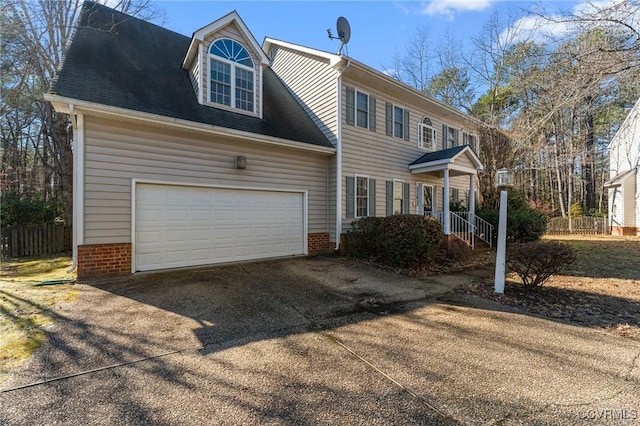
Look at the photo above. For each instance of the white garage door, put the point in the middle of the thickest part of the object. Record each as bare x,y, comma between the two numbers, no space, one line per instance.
178,226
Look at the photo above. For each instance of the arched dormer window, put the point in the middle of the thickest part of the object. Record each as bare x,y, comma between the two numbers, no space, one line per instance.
426,134
232,81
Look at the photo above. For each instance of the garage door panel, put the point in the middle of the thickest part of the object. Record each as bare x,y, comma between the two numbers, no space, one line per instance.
186,226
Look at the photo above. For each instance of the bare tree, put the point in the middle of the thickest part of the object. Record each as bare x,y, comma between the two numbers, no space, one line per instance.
414,65
41,31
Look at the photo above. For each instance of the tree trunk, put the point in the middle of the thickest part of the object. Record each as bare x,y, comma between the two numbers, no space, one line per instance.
590,196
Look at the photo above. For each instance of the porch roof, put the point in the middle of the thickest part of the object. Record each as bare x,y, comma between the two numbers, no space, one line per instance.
619,179
459,159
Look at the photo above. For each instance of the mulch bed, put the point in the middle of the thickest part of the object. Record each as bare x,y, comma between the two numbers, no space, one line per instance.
616,315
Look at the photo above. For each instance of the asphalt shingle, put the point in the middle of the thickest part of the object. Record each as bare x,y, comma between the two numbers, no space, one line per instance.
121,61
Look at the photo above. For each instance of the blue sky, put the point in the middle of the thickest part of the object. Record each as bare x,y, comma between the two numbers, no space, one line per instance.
378,28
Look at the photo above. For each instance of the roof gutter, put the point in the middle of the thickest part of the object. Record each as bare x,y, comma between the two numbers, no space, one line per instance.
415,92
61,104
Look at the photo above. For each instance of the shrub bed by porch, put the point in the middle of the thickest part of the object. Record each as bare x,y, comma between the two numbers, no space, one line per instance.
406,241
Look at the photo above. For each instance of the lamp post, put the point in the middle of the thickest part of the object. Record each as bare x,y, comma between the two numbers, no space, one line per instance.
504,181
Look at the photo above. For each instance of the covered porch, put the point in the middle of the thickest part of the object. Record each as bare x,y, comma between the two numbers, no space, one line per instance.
444,165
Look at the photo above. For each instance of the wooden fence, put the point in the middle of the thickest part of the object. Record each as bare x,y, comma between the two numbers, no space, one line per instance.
35,240
578,225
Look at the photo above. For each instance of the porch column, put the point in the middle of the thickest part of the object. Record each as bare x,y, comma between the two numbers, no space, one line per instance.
445,205
472,201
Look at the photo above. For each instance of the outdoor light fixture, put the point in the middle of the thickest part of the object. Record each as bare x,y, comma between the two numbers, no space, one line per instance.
504,181
241,162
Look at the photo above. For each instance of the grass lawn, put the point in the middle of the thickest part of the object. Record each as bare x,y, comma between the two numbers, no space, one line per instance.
601,290
25,309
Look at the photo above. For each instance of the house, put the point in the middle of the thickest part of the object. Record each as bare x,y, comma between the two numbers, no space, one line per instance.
205,150
397,149
624,184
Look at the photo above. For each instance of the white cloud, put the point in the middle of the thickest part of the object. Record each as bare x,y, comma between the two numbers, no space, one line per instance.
448,8
534,28
539,29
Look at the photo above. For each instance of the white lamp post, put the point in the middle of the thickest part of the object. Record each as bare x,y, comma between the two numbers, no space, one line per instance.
504,181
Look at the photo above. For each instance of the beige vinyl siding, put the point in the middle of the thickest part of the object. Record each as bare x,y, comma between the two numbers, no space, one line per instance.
231,31
313,83
331,206
116,153
384,158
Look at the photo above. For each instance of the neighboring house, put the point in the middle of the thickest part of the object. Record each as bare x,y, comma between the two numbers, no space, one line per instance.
624,183
398,150
204,150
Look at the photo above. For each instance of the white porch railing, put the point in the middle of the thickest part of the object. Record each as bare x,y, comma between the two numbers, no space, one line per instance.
461,227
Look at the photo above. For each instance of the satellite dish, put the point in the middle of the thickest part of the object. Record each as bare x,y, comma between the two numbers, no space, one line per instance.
344,32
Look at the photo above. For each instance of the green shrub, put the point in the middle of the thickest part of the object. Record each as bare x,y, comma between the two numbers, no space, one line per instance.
524,224
400,240
409,240
15,211
364,240
535,262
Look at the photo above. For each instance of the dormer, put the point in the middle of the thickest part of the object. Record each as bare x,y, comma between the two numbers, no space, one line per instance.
225,64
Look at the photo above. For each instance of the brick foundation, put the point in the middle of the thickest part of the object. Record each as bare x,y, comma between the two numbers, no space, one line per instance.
115,259
319,243
624,230
104,260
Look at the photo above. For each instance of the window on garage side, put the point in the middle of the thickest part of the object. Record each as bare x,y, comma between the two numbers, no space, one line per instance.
231,75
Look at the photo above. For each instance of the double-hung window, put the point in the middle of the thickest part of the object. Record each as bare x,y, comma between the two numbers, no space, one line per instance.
426,134
449,136
398,197
232,81
361,109
452,137
397,121
362,196
471,140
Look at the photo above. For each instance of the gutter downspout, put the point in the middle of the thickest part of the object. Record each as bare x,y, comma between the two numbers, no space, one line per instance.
339,157
77,122
74,126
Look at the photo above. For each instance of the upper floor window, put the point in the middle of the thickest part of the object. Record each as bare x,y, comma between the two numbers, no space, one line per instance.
471,140
232,81
449,136
426,134
361,109
452,137
397,121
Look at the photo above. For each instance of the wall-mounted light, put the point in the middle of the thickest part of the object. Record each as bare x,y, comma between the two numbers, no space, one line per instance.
241,162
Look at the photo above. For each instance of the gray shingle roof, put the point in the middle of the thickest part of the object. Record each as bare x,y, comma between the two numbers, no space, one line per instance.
439,155
121,61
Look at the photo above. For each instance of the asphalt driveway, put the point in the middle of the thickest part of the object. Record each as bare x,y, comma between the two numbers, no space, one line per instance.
314,341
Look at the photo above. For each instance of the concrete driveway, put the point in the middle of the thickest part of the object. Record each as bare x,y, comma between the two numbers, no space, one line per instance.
314,341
